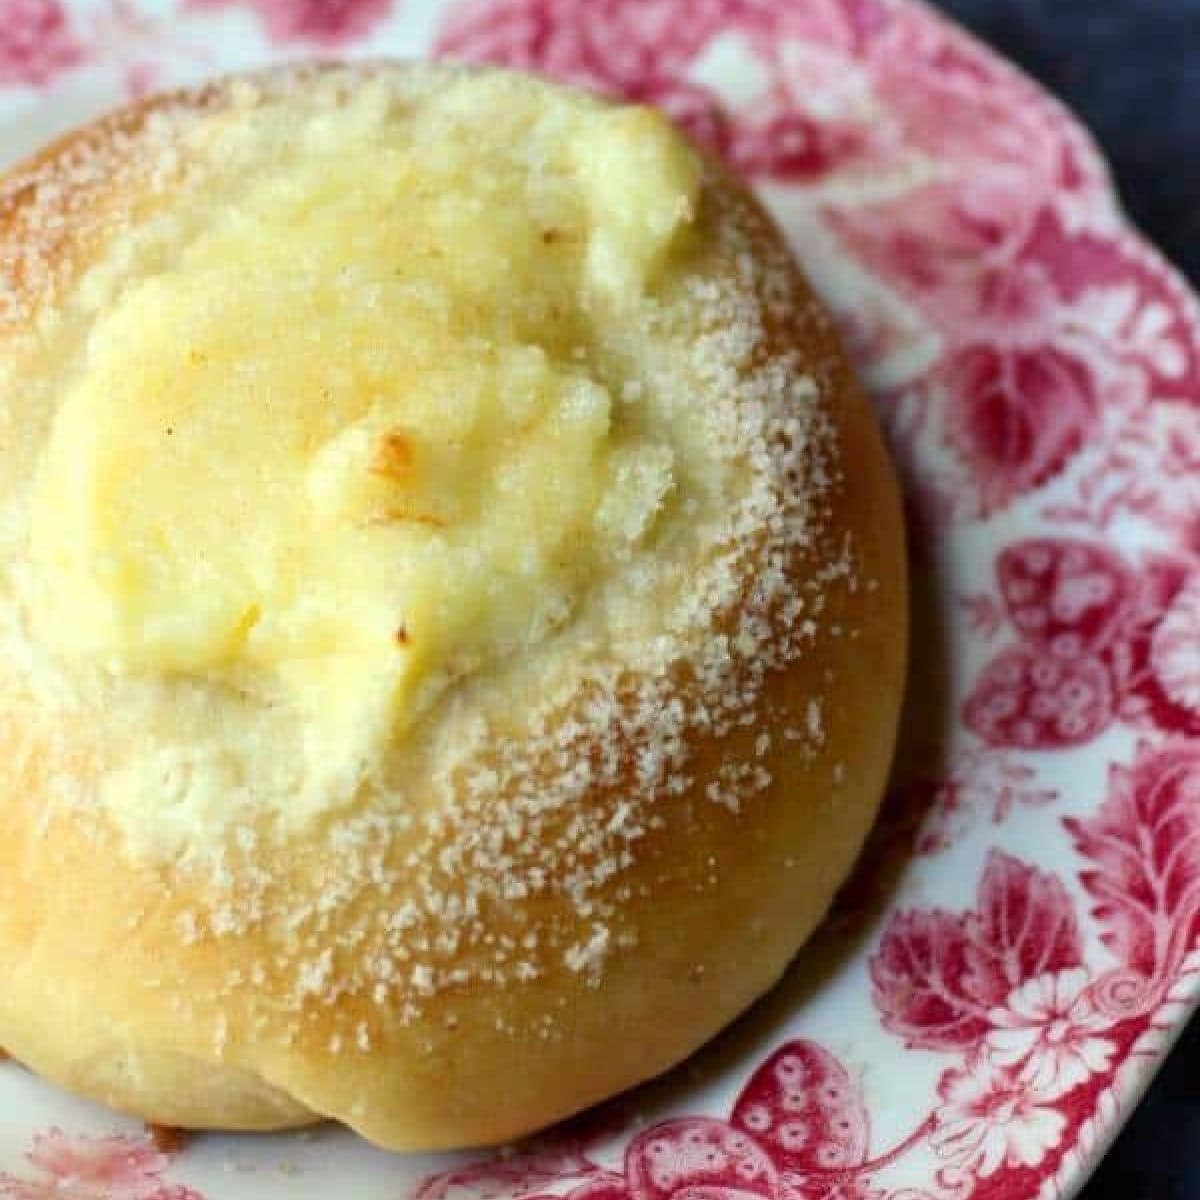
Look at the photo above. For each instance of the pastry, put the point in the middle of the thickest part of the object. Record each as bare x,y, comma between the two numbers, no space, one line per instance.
452,604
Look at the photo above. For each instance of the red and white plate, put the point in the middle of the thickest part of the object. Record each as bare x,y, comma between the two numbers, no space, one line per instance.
1022,943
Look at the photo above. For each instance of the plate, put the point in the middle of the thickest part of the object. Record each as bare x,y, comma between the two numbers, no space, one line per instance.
1020,944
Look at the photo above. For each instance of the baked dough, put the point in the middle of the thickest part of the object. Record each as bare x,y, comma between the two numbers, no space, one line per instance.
452,604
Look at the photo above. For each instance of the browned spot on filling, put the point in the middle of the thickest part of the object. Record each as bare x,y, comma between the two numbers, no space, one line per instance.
393,456
394,459
390,515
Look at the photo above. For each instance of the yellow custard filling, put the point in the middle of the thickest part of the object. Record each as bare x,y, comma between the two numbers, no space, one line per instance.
349,438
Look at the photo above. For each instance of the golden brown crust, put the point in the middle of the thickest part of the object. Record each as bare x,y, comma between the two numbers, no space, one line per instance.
206,1028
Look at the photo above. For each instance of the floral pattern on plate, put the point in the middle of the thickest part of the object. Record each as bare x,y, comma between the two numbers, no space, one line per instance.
1021,944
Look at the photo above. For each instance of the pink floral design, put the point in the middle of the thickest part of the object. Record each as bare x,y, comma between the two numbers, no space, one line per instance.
1051,1031
1144,843
1020,414
1174,657
1070,597
106,1168
1041,341
698,1152
939,975
1149,661
331,24
1100,639
990,1119
803,1107
1027,698
36,42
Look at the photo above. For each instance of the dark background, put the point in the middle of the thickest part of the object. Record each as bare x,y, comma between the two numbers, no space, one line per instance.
1131,70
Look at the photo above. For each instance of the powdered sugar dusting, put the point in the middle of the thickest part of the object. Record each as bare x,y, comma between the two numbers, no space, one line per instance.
506,860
